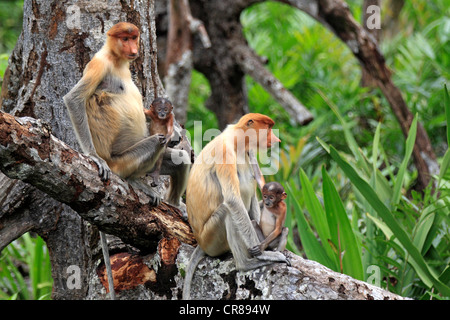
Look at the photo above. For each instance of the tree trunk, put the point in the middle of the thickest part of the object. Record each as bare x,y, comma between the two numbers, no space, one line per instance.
226,62
366,79
46,63
179,59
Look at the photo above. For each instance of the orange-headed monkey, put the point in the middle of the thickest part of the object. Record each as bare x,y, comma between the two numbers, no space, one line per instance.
107,114
221,197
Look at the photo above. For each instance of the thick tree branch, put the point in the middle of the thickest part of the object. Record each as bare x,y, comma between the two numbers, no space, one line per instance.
179,61
217,278
29,152
251,64
336,16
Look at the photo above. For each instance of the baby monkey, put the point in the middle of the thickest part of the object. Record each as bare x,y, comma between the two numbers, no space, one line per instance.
160,114
270,230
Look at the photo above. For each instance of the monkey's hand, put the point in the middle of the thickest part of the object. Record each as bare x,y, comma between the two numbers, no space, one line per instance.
155,199
255,251
162,139
103,169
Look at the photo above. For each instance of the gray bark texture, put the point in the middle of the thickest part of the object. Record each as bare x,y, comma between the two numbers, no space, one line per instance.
217,279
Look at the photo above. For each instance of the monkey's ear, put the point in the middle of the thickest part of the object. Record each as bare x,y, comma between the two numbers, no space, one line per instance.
283,195
249,122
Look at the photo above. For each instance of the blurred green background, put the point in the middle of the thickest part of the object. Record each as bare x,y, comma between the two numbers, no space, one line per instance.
348,174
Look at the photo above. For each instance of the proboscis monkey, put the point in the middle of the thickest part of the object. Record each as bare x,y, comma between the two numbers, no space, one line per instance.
160,114
271,231
221,196
107,114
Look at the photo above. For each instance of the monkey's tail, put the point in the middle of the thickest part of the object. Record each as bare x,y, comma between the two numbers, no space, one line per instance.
112,293
197,255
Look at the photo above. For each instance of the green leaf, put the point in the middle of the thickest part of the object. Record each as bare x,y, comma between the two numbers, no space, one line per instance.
341,230
444,166
318,217
351,142
423,227
313,249
401,172
418,262
446,161
447,112
323,144
376,141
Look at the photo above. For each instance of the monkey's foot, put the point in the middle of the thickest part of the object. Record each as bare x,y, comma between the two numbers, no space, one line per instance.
155,199
274,256
103,169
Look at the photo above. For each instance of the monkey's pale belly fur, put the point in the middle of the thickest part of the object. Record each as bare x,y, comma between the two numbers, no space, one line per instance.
267,222
120,114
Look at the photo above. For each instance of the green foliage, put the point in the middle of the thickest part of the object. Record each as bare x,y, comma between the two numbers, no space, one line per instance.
25,270
406,238
10,23
10,26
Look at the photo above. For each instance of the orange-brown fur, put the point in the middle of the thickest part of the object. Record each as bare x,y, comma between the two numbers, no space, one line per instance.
221,197
163,126
106,111
214,178
273,214
115,120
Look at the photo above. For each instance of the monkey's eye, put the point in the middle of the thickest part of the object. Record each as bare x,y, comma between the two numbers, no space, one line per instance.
125,39
134,37
264,196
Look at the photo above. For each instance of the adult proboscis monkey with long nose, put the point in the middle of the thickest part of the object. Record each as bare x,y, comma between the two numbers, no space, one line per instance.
221,197
107,114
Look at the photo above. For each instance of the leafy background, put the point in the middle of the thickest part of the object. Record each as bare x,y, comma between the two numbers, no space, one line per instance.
348,174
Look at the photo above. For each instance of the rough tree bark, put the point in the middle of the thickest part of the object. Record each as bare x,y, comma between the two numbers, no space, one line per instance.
366,79
29,152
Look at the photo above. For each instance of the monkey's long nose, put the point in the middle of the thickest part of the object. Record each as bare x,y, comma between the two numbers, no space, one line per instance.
134,52
274,138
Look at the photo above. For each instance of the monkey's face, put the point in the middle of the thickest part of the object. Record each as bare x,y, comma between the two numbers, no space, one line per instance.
273,193
130,46
163,110
270,199
271,138
263,132
124,40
